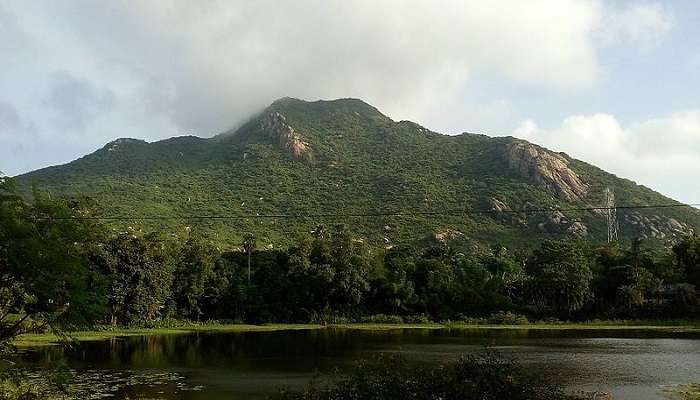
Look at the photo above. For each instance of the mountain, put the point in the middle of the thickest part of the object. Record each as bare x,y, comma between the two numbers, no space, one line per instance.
343,161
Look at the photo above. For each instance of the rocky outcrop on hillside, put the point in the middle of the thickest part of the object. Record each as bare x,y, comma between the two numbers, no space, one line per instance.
498,206
656,226
529,215
546,168
556,221
275,125
446,235
123,143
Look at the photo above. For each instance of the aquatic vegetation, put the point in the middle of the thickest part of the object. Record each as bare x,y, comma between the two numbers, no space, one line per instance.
685,392
90,384
485,376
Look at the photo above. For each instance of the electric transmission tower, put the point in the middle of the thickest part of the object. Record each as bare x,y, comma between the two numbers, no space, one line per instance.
611,214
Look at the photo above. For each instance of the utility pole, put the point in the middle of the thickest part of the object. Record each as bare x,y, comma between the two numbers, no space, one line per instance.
611,214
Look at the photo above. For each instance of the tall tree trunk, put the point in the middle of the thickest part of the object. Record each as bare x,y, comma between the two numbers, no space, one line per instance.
248,266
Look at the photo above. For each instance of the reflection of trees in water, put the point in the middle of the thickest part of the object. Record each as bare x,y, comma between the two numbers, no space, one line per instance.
245,359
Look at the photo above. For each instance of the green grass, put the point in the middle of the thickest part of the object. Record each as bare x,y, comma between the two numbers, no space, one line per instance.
30,340
43,339
671,326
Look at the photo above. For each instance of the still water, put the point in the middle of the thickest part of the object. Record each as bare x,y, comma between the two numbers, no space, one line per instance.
251,365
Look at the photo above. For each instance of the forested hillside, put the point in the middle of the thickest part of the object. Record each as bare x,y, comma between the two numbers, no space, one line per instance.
300,164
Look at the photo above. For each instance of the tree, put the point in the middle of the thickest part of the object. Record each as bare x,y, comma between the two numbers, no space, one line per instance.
140,268
684,300
44,273
249,244
194,278
350,262
630,298
393,290
561,276
507,270
435,284
687,254
330,272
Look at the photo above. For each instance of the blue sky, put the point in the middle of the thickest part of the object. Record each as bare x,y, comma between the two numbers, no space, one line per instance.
614,83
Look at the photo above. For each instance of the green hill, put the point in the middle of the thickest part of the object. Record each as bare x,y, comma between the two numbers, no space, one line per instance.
343,161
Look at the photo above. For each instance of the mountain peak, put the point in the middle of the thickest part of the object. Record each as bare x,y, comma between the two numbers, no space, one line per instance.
122,143
319,157
326,108
287,100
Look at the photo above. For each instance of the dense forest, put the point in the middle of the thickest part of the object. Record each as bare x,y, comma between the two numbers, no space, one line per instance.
60,267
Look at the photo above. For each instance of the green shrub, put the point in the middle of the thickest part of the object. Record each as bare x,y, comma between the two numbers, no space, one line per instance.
483,377
417,319
507,318
382,319
50,384
324,318
470,320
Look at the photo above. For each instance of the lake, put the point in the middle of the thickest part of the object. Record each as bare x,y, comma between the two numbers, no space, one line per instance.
250,365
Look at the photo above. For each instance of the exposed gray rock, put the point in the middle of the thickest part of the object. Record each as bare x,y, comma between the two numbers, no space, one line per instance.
578,229
676,226
656,226
275,125
545,167
447,235
498,205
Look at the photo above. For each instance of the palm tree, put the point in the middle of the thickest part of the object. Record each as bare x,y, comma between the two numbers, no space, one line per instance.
657,289
630,298
249,243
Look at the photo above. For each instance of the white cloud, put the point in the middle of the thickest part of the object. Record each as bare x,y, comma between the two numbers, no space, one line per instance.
662,153
473,116
645,23
164,67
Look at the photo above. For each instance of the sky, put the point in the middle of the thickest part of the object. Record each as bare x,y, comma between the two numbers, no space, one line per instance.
614,83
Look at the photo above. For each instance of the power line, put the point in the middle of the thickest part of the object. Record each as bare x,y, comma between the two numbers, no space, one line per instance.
449,213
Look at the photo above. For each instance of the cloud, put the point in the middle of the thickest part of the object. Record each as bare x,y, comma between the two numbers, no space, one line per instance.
476,116
9,119
85,71
662,153
76,102
645,23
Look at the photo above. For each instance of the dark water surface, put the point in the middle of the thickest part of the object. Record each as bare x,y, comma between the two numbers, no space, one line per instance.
251,365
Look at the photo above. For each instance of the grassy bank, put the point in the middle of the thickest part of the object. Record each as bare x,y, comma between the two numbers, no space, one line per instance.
666,326
43,339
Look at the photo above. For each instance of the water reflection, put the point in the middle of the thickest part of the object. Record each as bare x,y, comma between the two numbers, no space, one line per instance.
249,365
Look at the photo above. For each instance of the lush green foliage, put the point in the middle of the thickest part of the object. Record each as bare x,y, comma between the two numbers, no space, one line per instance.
687,255
55,262
44,269
561,276
484,377
140,271
50,384
362,163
